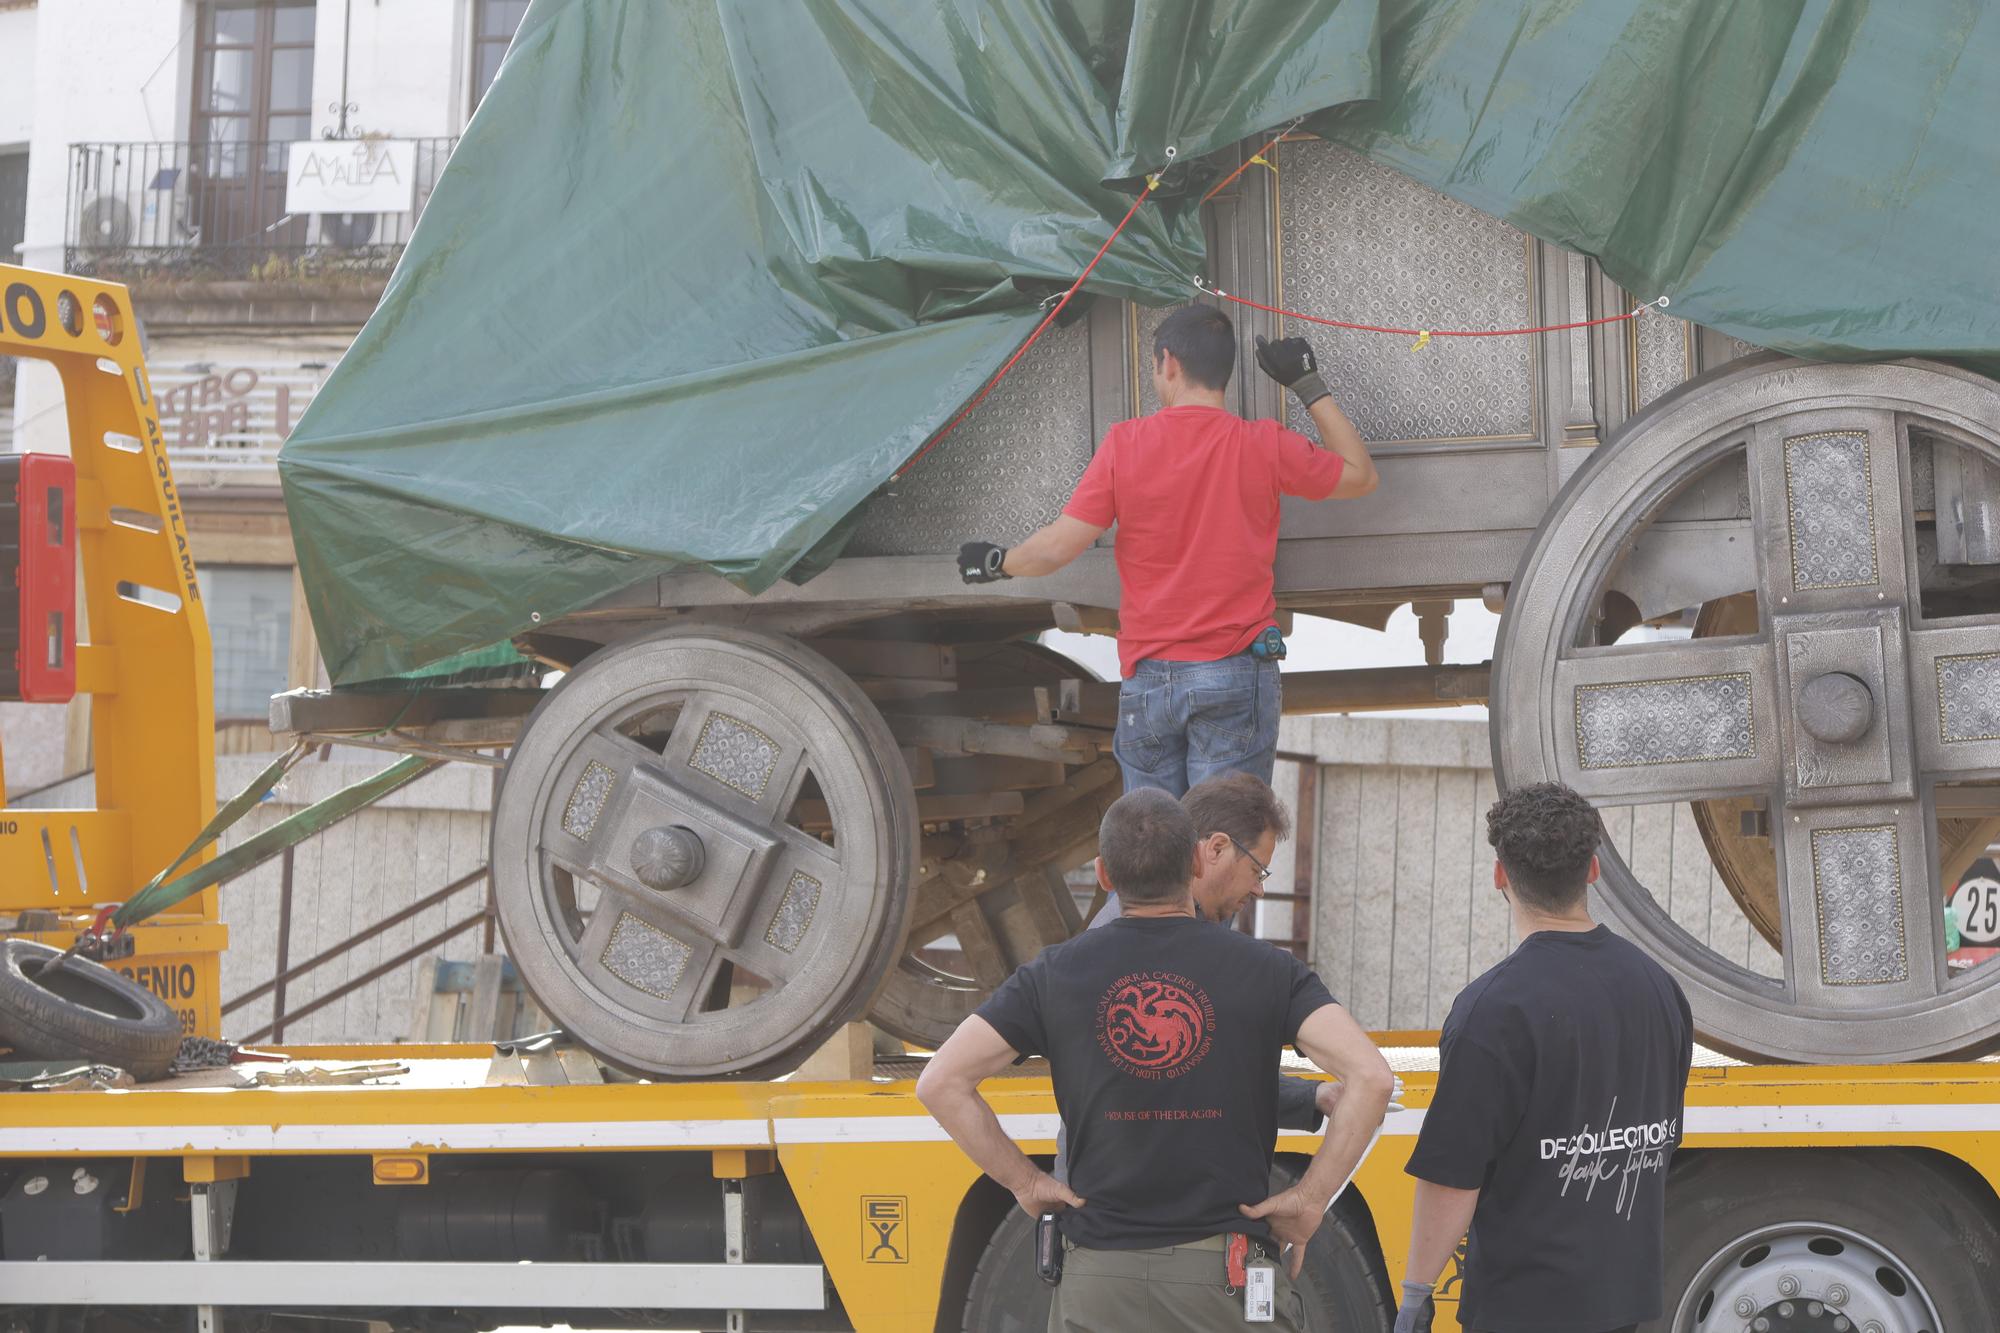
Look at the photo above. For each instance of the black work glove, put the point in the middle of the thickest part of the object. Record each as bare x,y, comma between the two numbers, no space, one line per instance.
979,562
1290,362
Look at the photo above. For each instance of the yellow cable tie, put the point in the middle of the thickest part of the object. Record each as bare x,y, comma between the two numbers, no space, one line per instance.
1263,161
1423,340
1153,181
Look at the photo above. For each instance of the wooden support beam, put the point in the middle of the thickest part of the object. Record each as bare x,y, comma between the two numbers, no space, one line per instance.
967,735
332,712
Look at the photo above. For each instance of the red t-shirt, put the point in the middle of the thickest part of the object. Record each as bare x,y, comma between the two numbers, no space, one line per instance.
1194,492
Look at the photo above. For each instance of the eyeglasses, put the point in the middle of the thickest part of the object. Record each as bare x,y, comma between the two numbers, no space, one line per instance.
1263,871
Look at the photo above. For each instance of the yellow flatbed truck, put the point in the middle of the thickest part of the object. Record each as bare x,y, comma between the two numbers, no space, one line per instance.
472,1187
468,1187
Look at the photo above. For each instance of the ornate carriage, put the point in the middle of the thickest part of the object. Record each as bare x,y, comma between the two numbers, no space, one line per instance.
1764,588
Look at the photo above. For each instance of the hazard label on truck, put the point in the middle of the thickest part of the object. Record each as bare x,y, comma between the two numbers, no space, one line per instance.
883,1229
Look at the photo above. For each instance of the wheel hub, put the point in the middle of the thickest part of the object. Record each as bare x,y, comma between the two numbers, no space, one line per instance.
1836,708
667,857
1805,1278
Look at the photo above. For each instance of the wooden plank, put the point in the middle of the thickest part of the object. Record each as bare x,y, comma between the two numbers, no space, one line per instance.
1452,891
400,888
848,1055
1688,896
959,777
1492,926
1413,941
422,999
980,944
1051,911
1338,842
1652,856
482,1011
1729,930
965,735
333,712
1375,896
890,657
930,809
373,852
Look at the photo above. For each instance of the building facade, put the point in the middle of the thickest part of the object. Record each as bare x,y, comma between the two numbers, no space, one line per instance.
251,170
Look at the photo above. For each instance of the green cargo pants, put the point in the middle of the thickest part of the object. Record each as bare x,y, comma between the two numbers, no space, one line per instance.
1178,1289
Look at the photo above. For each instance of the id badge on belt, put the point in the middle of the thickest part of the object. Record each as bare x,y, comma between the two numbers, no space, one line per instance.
1258,1281
1260,1294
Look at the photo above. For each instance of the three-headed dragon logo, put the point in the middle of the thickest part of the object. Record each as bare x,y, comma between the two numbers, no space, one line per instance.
1155,1024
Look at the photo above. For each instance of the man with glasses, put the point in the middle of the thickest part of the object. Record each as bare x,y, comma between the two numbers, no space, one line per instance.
1239,822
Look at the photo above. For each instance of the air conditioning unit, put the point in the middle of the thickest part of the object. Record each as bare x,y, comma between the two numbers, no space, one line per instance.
105,223
347,231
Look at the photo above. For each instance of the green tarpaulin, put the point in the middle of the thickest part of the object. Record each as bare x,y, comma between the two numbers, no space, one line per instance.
702,275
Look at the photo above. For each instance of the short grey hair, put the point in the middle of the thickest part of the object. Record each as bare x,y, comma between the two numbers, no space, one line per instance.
1146,841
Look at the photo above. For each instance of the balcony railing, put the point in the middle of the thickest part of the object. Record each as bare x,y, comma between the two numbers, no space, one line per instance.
220,210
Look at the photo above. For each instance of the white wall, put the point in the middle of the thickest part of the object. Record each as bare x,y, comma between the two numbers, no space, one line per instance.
17,75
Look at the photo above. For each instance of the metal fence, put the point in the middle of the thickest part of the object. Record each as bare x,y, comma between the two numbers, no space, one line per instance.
219,209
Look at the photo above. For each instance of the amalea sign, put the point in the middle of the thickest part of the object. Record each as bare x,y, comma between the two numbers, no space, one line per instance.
351,176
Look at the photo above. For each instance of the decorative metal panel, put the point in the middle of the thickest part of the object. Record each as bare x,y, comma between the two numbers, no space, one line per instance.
587,800
1832,510
795,912
1858,886
1969,697
1009,467
1675,721
1364,243
735,754
1662,354
645,957
1734,349
1148,325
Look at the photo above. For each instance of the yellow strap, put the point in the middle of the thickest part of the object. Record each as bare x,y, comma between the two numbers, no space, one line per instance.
1423,340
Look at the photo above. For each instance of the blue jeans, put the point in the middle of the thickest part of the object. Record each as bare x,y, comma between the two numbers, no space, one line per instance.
1181,723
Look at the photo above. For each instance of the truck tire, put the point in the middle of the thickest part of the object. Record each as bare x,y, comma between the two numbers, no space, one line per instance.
1912,1249
84,1012
1342,1288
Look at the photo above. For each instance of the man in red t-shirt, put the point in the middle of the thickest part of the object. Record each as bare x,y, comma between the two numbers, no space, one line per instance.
1194,490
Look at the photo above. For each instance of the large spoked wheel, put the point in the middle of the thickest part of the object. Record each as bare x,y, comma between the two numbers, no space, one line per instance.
653,869
1858,709
985,907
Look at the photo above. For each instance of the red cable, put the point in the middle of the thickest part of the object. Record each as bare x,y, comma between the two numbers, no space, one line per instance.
993,381
1435,333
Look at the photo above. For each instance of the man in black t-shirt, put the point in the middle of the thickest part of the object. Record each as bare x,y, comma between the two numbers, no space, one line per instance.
1162,1033
1558,1103
1238,824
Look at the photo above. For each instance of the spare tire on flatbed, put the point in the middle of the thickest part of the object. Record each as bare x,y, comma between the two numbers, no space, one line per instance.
82,1011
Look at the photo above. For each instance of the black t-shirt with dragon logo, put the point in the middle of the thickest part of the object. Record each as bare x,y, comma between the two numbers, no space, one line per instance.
1162,1036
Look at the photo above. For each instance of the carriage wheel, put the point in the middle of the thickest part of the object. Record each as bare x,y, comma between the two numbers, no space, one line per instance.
657,889
1849,723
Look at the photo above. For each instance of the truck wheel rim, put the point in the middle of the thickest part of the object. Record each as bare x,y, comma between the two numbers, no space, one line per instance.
1806,1277
1834,564
703,851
